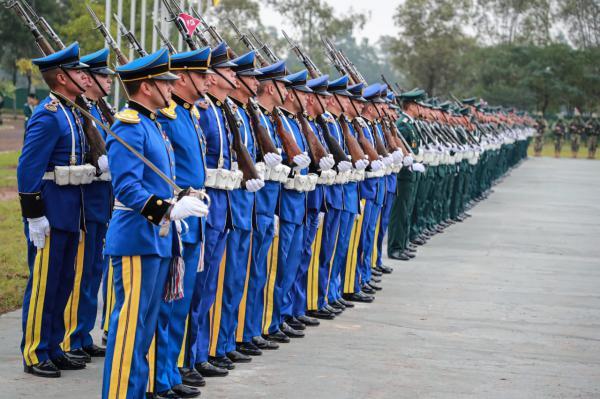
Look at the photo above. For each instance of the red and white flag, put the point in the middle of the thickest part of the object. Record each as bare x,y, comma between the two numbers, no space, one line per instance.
190,23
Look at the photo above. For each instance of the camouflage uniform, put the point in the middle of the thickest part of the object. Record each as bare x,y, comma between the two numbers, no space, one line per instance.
593,131
559,135
576,128
538,144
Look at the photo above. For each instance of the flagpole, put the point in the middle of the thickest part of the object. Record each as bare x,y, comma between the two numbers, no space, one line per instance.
117,87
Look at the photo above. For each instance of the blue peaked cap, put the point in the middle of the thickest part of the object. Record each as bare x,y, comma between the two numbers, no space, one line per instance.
372,93
275,71
319,85
339,86
152,66
196,60
297,81
67,58
220,56
356,91
246,64
98,62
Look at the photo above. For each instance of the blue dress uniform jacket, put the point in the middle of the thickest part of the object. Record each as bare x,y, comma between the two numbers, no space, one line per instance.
267,197
218,155
48,143
139,188
370,188
352,192
181,124
292,204
334,194
316,198
242,201
390,180
97,196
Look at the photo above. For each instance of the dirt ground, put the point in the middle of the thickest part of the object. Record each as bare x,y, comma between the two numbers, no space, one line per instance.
11,133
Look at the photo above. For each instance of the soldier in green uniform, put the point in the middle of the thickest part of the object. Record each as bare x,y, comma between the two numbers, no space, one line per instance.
576,128
593,130
559,131
541,125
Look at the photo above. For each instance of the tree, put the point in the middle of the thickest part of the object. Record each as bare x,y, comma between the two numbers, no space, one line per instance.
31,73
583,19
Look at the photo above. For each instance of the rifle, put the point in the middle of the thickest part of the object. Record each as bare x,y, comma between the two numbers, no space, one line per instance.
348,66
263,139
165,41
93,137
174,17
264,48
44,25
333,57
313,70
287,140
133,41
242,37
316,149
354,148
121,58
366,145
334,147
245,162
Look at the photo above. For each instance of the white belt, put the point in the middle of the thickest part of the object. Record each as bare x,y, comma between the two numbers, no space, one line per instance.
278,173
379,173
302,183
327,177
223,179
75,175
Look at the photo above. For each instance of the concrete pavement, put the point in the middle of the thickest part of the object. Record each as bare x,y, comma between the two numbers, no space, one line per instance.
504,305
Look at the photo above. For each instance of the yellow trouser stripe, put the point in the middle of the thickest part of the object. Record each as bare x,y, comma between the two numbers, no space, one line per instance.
110,296
126,327
239,334
331,267
374,255
182,352
351,258
216,315
359,228
270,288
151,365
72,308
36,304
312,294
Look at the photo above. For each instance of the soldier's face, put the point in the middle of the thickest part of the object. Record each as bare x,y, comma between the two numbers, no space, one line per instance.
249,81
76,81
222,81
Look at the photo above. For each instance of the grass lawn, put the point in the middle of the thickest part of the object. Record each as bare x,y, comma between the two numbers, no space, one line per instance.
8,167
548,151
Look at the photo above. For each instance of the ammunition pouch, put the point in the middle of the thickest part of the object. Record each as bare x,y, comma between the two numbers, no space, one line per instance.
327,177
302,183
75,175
223,179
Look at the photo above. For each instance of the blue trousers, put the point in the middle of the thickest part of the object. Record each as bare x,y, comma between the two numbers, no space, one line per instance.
329,271
346,252
384,222
309,261
207,279
289,251
48,288
367,241
171,327
81,309
227,304
262,238
139,288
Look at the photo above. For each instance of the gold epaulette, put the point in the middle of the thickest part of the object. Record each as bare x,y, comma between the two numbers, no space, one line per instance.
128,116
195,112
169,112
52,106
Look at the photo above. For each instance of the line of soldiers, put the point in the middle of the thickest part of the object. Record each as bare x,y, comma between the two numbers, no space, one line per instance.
234,207
578,130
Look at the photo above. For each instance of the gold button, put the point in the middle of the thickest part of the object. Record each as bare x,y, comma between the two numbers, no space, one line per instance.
150,217
37,197
159,202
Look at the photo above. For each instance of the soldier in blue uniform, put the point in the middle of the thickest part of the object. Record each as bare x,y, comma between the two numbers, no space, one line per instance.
81,309
52,205
223,343
219,162
180,122
142,256
263,260
292,211
307,286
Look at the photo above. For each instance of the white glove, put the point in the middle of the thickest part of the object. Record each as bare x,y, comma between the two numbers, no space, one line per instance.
272,159
254,185
376,165
39,228
344,166
188,206
361,164
302,161
408,160
418,167
103,163
326,163
397,155
389,160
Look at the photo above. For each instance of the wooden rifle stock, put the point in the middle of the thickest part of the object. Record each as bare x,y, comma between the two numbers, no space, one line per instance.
379,145
364,142
263,139
354,147
245,162
317,151
336,149
287,141
392,139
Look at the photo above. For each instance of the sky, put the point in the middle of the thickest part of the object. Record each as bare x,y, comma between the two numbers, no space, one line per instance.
379,23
